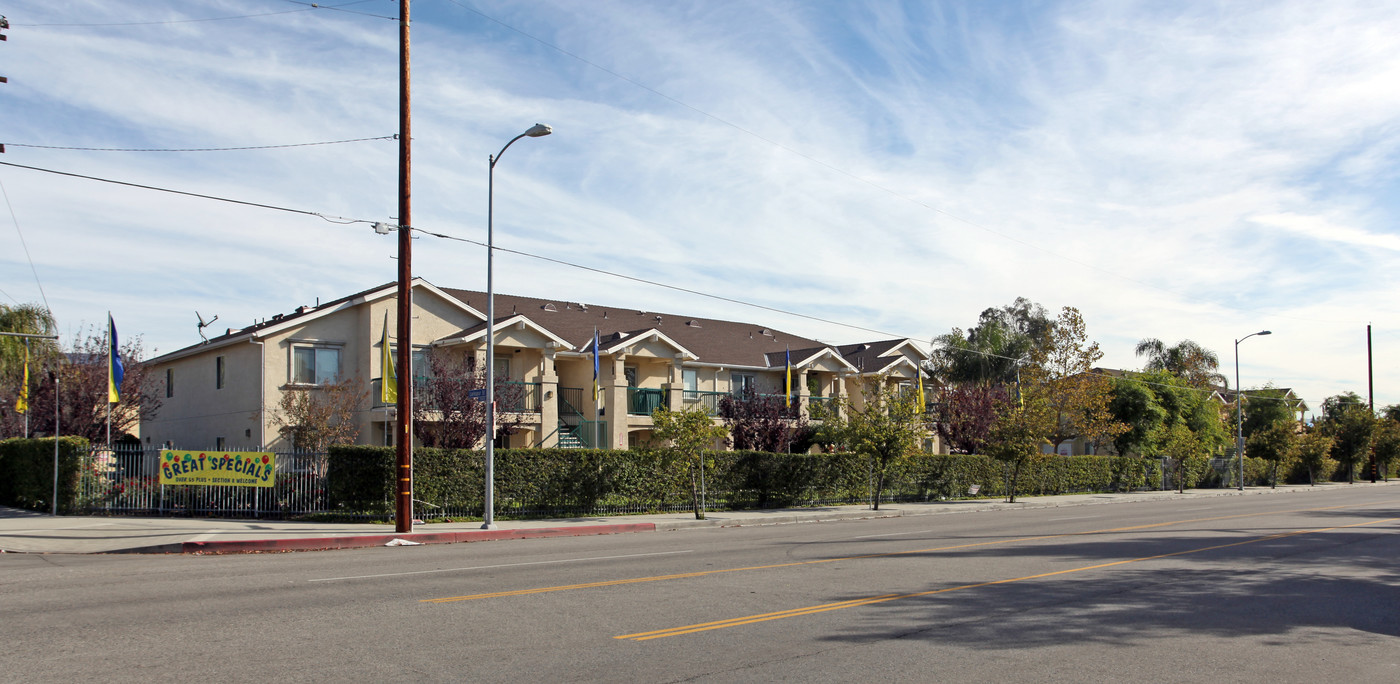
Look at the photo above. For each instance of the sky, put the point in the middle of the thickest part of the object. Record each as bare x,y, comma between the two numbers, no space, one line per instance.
1186,170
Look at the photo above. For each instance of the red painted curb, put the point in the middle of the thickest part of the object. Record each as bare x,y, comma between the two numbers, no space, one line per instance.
368,540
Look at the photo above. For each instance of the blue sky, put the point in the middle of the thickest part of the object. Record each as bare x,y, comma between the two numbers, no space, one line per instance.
1191,170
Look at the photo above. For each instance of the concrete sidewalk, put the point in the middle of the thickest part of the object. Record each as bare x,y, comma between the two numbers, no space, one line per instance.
28,532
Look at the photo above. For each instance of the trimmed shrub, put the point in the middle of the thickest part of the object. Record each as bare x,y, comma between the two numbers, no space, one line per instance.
27,473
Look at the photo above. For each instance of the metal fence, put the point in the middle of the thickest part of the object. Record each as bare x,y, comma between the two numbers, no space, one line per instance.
127,481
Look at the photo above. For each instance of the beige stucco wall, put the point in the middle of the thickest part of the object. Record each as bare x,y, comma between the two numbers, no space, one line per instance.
198,413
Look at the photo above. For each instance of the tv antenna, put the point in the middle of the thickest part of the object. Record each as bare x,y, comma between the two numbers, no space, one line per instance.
204,324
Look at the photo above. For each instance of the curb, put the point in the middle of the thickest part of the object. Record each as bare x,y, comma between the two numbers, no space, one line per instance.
370,540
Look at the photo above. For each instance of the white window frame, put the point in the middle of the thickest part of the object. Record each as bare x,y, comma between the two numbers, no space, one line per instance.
337,347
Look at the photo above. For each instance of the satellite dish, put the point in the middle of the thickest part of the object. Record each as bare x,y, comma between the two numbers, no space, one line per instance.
204,324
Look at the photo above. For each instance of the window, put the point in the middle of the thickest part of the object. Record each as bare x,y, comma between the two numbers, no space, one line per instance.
502,368
630,373
315,365
169,382
738,382
691,382
218,372
421,371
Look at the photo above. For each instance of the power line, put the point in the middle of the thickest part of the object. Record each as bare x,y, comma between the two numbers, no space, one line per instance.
25,245
919,203
445,236
198,149
310,6
327,217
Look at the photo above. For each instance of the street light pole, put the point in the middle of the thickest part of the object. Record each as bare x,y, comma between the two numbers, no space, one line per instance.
489,507
1239,405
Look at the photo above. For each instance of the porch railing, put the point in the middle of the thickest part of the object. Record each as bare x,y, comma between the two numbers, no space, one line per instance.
642,401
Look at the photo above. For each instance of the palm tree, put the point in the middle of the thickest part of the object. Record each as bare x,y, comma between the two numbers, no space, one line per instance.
1185,359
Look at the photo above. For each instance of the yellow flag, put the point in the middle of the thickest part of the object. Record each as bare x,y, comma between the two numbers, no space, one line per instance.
22,404
919,382
388,383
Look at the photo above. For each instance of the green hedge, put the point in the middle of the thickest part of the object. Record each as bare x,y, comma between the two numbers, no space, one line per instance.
26,473
572,482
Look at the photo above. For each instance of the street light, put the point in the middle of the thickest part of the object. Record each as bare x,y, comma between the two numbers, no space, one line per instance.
1239,405
489,514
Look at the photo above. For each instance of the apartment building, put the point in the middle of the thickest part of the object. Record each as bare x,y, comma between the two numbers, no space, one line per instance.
222,393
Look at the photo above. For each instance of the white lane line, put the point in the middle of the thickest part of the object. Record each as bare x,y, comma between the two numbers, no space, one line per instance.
892,534
502,565
60,529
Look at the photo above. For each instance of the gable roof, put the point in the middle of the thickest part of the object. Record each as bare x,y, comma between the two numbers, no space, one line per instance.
305,314
713,341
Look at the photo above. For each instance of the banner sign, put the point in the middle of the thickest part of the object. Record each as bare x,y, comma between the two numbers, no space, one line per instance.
227,468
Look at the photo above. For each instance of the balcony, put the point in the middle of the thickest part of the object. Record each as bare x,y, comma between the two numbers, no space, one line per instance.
710,400
641,402
511,397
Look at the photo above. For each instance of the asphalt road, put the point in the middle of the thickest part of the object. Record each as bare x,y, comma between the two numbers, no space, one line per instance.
1241,589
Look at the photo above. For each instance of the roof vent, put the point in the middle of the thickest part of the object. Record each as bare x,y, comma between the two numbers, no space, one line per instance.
658,320
582,306
550,307
766,332
277,317
693,323
303,309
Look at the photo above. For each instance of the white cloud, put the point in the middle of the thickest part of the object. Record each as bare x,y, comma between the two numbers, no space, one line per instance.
1183,171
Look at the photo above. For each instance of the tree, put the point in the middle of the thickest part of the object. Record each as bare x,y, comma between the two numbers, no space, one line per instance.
1062,372
446,415
761,422
1273,443
1386,445
964,416
80,370
314,418
1020,430
1349,422
1177,442
1134,404
1312,449
988,354
690,433
1392,412
30,319
887,429
1264,407
1185,359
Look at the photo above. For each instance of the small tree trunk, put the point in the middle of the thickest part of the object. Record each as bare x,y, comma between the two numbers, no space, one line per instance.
695,495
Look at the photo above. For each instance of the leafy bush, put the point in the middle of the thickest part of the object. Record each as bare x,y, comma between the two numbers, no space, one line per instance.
579,482
27,472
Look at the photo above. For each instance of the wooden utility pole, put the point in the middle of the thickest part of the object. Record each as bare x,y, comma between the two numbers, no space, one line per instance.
403,441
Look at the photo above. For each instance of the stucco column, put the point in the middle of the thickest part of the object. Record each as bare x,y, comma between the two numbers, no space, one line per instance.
804,396
549,398
677,384
617,404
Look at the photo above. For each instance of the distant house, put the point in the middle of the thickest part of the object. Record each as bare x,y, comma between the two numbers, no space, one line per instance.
221,393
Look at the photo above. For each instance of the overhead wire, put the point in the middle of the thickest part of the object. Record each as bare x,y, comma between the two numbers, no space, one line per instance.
860,179
310,6
14,217
197,149
326,217
446,236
